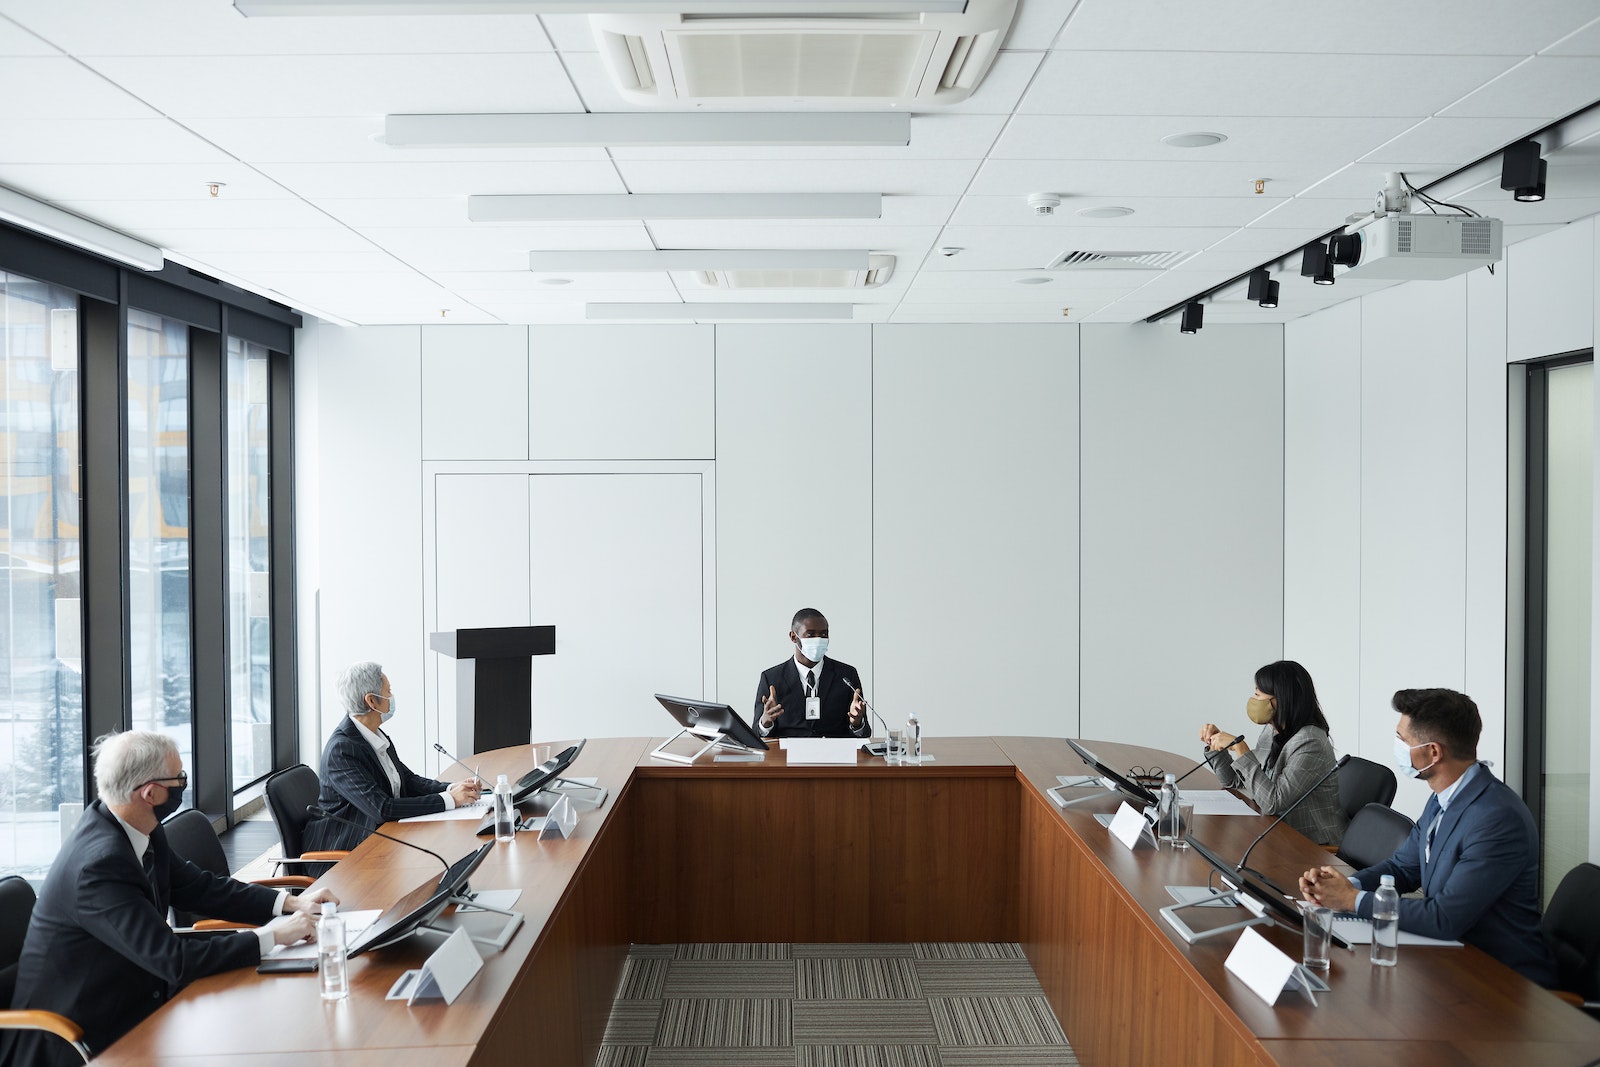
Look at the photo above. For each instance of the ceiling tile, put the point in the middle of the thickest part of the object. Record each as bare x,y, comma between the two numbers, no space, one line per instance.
1545,87
569,33
1018,247
352,139
203,243
1253,83
536,286
140,181
1138,178
499,248
143,217
60,88
1147,212
898,240
1301,139
1447,143
16,41
254,264
944,177
398,181
1036,24
1584,42
60,140
932,137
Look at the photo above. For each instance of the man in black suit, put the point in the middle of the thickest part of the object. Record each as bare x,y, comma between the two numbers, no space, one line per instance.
810,695
362,778
99,950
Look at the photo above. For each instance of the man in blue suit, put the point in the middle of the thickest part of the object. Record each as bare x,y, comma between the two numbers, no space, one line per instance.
1474,853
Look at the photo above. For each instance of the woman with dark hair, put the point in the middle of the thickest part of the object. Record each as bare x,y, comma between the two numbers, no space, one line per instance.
1298,752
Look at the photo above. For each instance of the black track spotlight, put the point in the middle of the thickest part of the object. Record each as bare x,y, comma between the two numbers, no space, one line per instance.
1345,249
1522,171
1313,261
1269,299
1259,279
1194,314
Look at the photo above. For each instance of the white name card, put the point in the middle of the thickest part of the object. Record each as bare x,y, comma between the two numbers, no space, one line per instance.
561,820
1259,964
450,969
1130,827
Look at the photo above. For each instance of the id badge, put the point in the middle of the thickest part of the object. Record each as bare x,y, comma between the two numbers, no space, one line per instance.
813,707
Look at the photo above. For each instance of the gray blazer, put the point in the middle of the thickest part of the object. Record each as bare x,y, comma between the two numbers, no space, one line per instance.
1307,757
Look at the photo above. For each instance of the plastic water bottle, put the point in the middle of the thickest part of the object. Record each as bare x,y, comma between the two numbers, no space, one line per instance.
1167,827
913,753
331,961
505,813
1386,923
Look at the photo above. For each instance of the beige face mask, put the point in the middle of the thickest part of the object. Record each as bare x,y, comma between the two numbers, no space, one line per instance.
1260,711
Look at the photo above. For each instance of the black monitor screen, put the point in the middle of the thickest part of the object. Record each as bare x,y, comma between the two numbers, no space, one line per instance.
537,778
1259,888
422,905
1125,785
707,719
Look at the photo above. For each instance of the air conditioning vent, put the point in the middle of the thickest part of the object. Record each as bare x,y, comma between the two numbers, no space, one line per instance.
1118,260
879,269
799,59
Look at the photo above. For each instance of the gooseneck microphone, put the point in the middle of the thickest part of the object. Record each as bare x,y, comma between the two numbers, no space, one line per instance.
857,685
1241,868
1202,763
324,813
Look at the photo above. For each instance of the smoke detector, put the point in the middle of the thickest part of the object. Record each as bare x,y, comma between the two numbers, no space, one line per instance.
1044,203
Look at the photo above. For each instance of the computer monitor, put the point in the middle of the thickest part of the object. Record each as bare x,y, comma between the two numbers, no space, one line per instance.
420,906
541,775
706,719
1259,887
1124,785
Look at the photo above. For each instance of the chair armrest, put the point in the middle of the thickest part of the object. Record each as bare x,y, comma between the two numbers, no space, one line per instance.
330,856
221,924
1570,998
1330,848
286,881
60,1025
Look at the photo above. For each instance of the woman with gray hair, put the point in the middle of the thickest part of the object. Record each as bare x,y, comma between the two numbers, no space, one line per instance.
363,781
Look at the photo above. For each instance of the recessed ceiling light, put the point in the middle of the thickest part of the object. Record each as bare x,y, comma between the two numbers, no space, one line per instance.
1193,140
555,281
1110,212
1035,279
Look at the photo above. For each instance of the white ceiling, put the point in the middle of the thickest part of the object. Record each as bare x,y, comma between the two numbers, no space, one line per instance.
123,110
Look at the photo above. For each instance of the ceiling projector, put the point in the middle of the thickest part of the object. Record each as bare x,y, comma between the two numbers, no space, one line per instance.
1422,247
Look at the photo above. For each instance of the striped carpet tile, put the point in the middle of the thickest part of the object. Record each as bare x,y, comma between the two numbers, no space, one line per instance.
740,951
889,1022
730,978
632,1022
867,1056
995,1021
724,1023
642,978
867,949
858,979
1012,1056
623,1056
967,950
977,978
721,1057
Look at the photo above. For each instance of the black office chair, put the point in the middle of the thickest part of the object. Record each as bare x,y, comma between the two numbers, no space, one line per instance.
1362,782
16,911
1571,927
289,792
1373,835
191,836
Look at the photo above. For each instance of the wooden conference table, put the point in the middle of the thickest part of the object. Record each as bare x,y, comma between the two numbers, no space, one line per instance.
966,848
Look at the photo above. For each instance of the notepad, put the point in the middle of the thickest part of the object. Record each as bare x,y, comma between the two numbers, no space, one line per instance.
1358,931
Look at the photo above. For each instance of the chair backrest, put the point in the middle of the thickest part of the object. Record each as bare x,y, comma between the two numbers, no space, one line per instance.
1362,782
16,910
1571,927
191,836
1373,835
289,791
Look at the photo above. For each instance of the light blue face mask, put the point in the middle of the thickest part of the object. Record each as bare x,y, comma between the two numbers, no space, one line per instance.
384,716
814,648
1402,758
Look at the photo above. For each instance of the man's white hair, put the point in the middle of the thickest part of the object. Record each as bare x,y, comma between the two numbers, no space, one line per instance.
355,682
125,761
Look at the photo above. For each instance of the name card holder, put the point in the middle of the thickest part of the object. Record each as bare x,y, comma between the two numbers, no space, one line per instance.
1132,827
450,969
1268,971
561,820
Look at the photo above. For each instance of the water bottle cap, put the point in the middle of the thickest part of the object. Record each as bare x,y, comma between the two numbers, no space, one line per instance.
1170,779
1387,880
501,781
329,908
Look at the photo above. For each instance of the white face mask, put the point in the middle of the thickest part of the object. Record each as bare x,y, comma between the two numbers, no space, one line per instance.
385,716
814,648
1402,758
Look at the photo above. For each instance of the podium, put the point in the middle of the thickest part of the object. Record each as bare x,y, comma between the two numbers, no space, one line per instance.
494,682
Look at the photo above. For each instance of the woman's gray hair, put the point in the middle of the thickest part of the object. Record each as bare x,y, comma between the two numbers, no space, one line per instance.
125,761
355,682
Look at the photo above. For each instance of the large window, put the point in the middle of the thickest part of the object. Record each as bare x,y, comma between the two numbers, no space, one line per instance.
41,664
249,562
158,529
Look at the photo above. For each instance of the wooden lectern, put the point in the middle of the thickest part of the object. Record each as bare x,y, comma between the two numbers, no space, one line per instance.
494,682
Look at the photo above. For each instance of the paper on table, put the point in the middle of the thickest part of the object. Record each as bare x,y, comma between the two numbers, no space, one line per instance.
821,749
1217,802
466,811
355,924
1359,932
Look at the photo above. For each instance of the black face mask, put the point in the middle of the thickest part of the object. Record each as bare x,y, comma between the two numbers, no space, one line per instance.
173,802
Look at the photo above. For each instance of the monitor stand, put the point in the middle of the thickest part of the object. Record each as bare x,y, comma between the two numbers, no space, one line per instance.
479,902
713,739
1258,915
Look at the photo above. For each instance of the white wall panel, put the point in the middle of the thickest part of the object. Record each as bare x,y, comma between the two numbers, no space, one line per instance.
474,385
1486,509
371,516
1322,510
1182,527
975,527
1551,292
622,392
794,495
1413,503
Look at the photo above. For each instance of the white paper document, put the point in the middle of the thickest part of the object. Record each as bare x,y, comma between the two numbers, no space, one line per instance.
1359,932
1217,802
809,750
466,811
355,924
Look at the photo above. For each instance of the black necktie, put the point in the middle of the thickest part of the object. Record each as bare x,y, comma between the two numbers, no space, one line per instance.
150,867
811,683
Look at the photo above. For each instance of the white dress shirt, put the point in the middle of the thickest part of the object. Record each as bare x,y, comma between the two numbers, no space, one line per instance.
816,690
380,745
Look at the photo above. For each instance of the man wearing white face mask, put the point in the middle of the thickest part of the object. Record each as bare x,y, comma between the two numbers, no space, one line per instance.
362,778
810,695
1474,853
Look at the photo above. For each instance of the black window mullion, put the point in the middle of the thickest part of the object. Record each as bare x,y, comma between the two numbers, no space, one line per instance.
280,463
208,574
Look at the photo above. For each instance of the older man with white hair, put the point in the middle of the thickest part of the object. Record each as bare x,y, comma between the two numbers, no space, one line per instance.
363,781
99,949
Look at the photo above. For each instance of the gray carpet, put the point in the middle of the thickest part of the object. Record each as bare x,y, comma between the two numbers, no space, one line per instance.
775,1005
